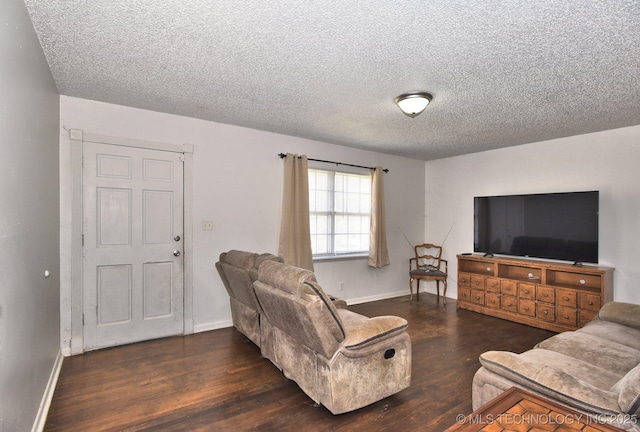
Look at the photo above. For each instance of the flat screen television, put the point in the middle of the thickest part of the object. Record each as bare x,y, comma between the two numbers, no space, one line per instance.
560,226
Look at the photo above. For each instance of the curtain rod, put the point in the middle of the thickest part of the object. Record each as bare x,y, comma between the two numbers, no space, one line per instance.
282,156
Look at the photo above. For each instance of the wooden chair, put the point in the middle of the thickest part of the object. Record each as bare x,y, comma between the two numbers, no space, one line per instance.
427,265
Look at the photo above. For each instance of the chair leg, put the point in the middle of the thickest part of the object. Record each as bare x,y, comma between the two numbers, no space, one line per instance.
410,289
438,288
444,295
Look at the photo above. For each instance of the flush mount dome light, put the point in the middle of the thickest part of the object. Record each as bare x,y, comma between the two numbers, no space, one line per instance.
413,103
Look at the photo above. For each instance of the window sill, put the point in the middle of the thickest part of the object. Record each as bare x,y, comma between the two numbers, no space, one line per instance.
345,257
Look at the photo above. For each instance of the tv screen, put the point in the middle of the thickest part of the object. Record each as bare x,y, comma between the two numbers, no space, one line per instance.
562,226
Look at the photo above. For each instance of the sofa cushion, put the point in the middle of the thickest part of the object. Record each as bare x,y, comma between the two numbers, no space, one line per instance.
581,370
266,257
313,292
625,314
629,390
240,284
253,271
619,358
285,277
237,258
614,332
550,381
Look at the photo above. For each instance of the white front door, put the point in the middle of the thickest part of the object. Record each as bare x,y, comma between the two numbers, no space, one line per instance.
132,207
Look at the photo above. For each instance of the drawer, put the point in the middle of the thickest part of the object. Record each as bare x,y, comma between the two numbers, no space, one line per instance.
492,284
585,316
493,300
527,307
527,291
567,316
464,294
509,303
477,282
508,287
464,280
477,297
546,294
567,298
589,302
546,312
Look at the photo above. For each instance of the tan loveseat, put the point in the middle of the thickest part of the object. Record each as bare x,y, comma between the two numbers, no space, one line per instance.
339,358
595,370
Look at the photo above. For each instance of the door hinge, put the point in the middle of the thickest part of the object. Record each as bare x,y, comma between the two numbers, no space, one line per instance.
181,157
82,319
82,240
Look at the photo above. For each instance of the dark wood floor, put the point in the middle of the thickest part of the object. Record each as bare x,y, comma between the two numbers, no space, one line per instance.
217,381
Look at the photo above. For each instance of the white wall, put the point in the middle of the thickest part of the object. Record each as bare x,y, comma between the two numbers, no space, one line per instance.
606,161
29,220
238,185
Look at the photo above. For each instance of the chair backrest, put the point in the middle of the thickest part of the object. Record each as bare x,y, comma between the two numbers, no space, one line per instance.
428,254
238,270
292,301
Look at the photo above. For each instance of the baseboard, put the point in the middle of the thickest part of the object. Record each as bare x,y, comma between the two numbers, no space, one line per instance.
198,328
47,397
376,297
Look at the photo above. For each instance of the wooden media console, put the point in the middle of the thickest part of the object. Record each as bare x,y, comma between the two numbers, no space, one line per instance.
548,295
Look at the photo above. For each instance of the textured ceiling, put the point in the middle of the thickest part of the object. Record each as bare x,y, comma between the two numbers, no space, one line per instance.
502,73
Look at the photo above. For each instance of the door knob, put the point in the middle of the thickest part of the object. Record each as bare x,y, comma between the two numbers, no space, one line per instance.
177,238
176,253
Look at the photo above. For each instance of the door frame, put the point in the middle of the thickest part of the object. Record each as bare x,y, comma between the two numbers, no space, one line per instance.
73,306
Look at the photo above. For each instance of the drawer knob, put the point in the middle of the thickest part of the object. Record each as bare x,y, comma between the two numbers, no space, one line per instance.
546,312
477,297
526,291
526,309
566,317
488,269
565,298
582,281
590,303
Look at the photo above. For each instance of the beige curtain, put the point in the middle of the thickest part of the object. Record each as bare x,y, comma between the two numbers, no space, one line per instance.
378,252
295,237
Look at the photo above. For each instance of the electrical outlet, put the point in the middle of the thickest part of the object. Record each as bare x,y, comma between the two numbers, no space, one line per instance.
340,286
207,225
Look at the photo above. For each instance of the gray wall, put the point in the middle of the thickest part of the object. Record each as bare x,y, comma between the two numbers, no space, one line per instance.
29,220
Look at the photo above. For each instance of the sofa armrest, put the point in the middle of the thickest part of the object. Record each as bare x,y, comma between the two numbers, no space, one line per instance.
361,330
625,314
550,382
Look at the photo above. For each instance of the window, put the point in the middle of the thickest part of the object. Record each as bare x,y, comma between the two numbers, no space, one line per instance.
339,213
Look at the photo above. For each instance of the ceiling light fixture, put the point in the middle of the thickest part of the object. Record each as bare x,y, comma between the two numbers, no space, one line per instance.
413,103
